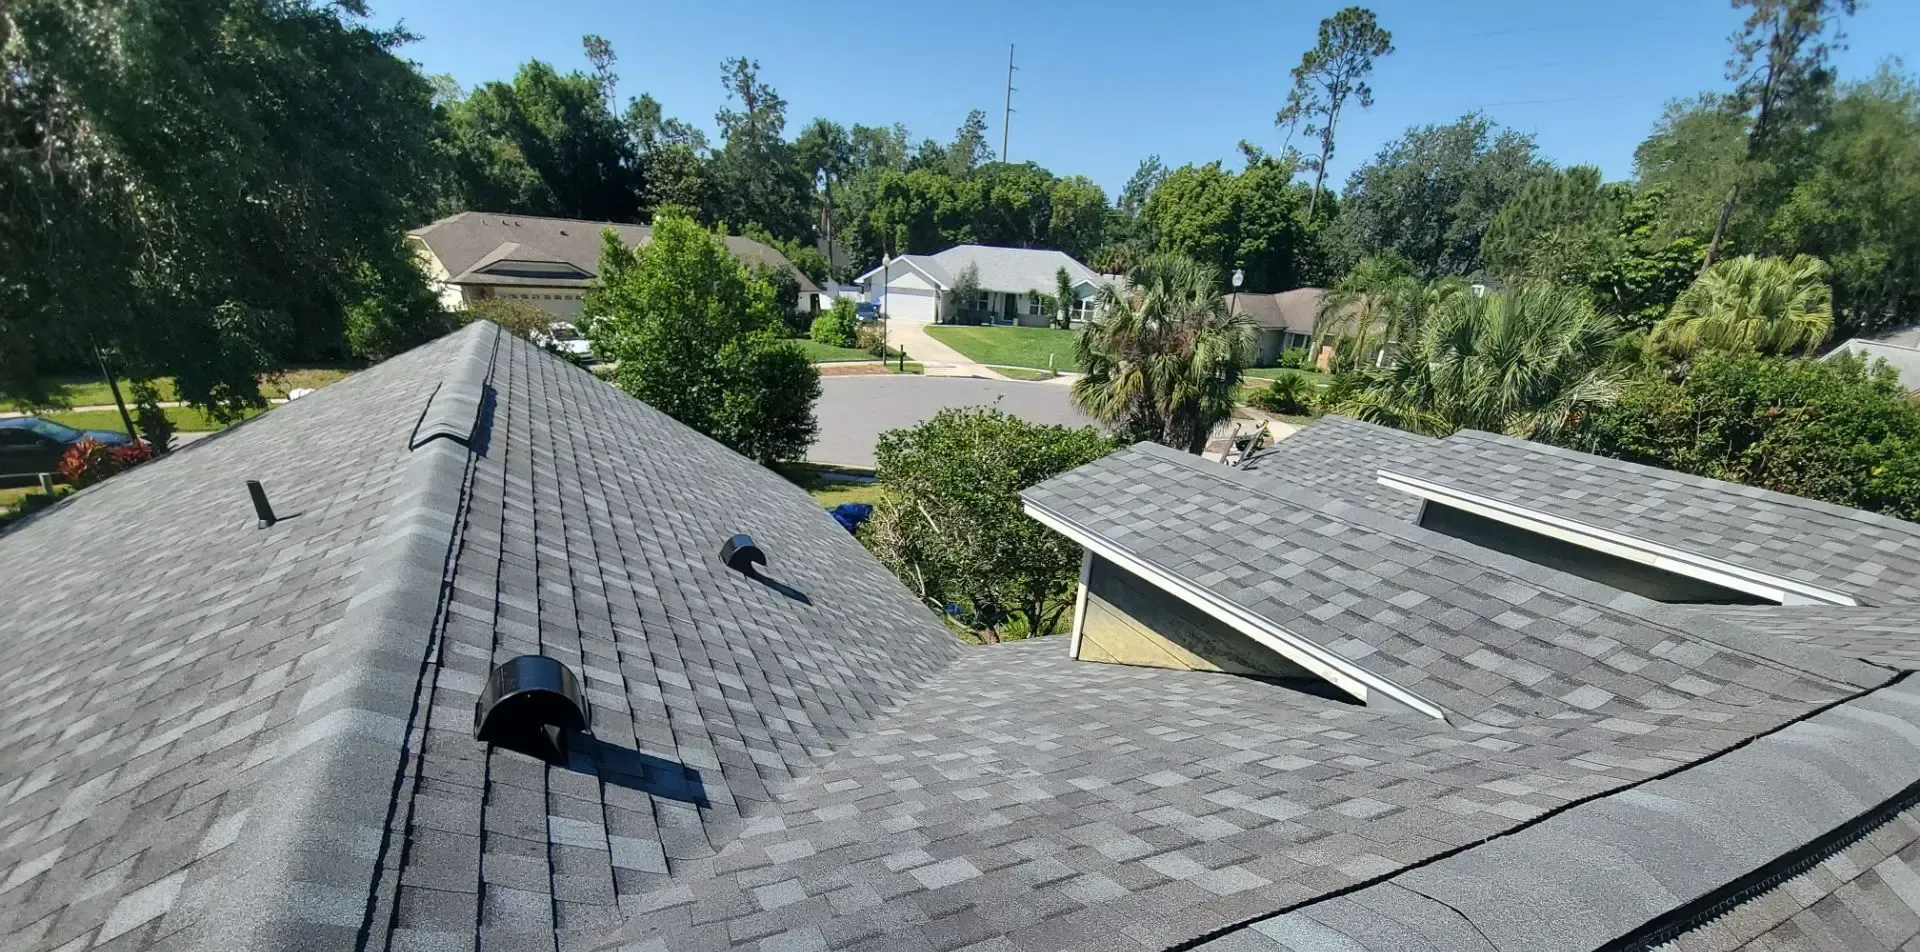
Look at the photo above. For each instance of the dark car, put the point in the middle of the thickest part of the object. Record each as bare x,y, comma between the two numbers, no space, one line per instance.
866,313
30,446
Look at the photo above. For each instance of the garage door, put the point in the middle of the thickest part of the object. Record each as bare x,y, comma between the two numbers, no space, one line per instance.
909,306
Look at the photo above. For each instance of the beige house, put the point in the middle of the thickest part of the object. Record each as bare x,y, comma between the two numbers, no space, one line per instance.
546,262
1286,320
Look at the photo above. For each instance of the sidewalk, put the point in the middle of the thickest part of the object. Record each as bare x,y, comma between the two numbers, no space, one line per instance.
164,404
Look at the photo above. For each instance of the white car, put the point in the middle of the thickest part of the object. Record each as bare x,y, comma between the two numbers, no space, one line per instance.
566,339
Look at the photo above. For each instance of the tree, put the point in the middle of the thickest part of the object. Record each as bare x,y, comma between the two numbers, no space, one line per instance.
1858,205
1766,305
1559,227
1432,193
1527,362
1835,430
693,333
965,293
1162,357
950,524
1063,299
759,183
519,318
825,153
969,150
1377,304
547,144
1140,185
1251,220
202,187
1779,71
1328,74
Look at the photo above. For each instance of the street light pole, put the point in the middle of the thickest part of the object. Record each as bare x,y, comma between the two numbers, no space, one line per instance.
1239,277
886,263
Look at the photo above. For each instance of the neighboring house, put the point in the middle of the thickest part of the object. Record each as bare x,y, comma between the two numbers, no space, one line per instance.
547,262
1287,320
919,288
223,735
1902,359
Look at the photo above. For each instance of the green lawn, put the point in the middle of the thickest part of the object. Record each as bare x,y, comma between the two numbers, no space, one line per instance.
827,354
1011,346
1022,373
830,493
1314,377
92,391
185,419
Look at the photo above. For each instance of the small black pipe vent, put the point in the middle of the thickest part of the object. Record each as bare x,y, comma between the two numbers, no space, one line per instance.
261,507
530,705
741,555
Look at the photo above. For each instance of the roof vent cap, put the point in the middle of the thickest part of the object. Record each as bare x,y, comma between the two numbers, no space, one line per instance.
741,555
530,705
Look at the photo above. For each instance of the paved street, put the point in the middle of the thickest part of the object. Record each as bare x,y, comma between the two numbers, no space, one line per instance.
854,411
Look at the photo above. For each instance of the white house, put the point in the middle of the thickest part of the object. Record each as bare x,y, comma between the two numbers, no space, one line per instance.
919,288
546,262
1903,359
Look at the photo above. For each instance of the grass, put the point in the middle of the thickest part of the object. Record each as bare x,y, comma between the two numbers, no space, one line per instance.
1314,377
1011,346
1022,373
93,391
185,419
10,496
830,493
912,367
827,353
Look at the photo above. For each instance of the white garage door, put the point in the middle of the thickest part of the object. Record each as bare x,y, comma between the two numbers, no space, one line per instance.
909,306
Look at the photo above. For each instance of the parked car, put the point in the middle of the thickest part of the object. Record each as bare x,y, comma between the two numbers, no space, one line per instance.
30,446
866,313
565,339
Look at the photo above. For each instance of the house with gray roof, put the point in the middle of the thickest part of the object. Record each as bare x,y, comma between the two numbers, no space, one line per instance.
920,288
1295,713
547,262
1902,359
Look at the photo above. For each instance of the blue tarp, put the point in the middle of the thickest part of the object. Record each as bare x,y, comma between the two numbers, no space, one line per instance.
851,514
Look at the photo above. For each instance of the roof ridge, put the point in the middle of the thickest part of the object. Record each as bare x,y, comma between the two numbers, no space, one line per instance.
307,833
1696,481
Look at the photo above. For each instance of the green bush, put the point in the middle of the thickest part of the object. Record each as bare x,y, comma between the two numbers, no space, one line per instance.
835,326
1294,358
1832,430
766,412
872,338
1290,393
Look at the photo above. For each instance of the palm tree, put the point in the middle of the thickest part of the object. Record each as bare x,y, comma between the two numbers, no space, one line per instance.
1769,305
1526,362
1377,305
1163,356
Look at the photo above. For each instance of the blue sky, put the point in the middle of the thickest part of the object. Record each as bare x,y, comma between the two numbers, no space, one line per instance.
1103,84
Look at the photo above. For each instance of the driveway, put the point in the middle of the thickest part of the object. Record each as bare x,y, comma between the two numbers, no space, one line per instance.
937,358
854,411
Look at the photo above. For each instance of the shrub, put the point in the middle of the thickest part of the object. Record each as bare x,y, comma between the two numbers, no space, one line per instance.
1290,393
88,461
149,418
835,327
766,412
872,338
950,524
515,317
1293,358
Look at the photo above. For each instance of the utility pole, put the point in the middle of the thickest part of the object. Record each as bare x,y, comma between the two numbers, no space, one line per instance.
1006,118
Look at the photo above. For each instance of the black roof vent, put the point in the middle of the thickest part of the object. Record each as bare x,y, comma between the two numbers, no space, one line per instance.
261,507
531,703
741,555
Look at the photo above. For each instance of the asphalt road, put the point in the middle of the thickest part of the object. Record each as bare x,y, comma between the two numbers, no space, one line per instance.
854,411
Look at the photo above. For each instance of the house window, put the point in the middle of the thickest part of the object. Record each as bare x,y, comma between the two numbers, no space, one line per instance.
984,302
1035,307
1083,309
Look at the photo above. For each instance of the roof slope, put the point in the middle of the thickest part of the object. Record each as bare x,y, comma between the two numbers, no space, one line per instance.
1903,359
1297,310
170,661
1479,634
1872,558
1015,270
1341,458
468,241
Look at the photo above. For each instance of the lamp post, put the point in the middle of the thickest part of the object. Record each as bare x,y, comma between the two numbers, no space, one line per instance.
1239,278
886,262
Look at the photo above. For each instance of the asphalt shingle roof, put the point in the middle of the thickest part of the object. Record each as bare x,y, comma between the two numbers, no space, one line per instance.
1341,458
226,737
1873,558
467,241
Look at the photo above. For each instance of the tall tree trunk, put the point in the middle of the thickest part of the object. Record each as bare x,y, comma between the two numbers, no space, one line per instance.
1720,229
1313,201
